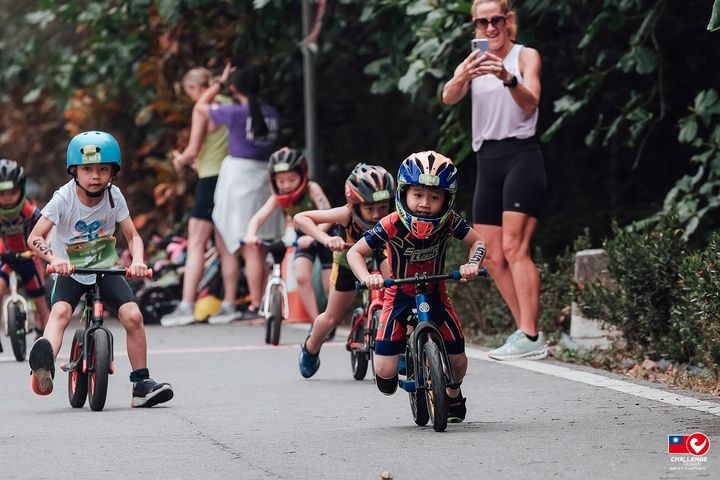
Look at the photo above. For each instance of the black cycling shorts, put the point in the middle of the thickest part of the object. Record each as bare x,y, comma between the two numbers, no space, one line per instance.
204,198
316,249
342,279
510,178
115,291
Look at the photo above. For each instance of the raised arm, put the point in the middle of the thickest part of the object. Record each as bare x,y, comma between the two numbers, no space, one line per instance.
259,219
309,223
457,87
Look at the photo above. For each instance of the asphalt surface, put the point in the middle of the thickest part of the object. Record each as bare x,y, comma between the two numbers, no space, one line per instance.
241,410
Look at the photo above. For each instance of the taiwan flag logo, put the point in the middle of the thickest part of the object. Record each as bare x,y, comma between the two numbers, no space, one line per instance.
697,444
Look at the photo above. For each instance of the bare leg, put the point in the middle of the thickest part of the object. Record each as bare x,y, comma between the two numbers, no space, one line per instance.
198,234
255,271
229,266
41,312
458,363
338,307
303,276
498,268
517,231
59,319
131,319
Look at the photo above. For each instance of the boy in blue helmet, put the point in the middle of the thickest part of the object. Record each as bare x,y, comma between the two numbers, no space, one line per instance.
84,213
415,236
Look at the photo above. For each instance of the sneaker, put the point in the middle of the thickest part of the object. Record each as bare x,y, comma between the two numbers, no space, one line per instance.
148,393
183,315
42,366
225,315
518,346
308,363
249,315
456,408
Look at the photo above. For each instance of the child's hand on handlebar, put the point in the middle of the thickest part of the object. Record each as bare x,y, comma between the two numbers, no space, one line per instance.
137,270
374,281
62,267
336,244
468,270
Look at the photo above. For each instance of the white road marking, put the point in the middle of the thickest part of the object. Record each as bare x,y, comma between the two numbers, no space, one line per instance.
668,398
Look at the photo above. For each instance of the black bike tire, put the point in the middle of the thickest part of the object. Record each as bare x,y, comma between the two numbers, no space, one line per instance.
98,369
358,358
418,400
276,316
155,302
435,379
77,380
17,331
373,334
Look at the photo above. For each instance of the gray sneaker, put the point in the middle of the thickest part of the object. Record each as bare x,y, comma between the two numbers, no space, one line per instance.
225,315
518,347
183,315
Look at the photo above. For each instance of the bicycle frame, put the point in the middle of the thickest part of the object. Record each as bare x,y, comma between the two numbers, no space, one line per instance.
372,300
14,296
92,319
275,279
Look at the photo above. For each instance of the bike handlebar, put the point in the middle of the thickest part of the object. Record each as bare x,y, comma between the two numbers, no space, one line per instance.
102,271
422,278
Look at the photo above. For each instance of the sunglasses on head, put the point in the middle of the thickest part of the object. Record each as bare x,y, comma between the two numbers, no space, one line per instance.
482,23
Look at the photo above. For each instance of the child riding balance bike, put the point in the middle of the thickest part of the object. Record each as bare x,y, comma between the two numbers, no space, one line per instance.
368,191
415,236
85,212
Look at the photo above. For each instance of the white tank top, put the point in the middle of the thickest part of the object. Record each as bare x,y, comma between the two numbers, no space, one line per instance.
495,115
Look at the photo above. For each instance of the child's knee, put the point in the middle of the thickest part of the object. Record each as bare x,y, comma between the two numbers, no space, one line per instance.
61,312
130,316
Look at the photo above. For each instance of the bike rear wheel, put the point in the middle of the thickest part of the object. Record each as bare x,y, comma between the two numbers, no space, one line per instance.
435,379
98,369
273,323
418,400
155,302
358,358
17,330
371,338
77,380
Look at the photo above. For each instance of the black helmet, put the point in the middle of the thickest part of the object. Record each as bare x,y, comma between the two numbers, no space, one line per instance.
368,184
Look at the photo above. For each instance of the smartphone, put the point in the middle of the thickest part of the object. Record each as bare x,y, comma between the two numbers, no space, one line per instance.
481,44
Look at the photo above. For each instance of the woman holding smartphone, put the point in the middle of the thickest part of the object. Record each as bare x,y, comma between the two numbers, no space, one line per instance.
504,85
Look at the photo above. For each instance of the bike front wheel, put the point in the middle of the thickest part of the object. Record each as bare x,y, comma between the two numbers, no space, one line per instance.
418,399
98,369
358,357
17,329
273,323
77,379
435,379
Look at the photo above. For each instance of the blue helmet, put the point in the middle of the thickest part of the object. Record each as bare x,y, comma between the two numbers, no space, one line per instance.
426,169
93,147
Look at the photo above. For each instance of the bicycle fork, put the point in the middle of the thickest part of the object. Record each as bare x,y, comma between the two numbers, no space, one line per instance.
274,280
416,353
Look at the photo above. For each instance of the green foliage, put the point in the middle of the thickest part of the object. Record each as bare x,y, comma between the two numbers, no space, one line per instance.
697,312
694,196
645,266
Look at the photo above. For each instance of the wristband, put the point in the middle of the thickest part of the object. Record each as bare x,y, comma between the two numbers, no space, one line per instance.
478,254
512,83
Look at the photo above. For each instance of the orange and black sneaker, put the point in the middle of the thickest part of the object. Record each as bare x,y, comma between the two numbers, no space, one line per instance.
42,366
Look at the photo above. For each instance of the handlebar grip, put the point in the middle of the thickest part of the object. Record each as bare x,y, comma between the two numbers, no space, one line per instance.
148,273
388,282
456,275
360,285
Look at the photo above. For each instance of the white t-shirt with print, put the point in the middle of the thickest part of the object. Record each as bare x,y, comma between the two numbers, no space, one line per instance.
82,234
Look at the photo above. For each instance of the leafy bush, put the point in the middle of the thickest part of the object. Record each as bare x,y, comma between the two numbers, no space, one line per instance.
697,311
646,267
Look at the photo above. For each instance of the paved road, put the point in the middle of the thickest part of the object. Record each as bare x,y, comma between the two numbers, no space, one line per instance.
242,411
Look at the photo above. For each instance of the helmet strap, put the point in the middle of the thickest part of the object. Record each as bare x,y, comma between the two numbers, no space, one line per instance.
97,194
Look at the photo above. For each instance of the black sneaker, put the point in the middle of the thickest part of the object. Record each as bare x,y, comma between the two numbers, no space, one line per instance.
42,366
148,393
456,408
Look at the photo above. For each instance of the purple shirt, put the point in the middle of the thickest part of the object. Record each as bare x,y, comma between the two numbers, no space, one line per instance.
241,142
